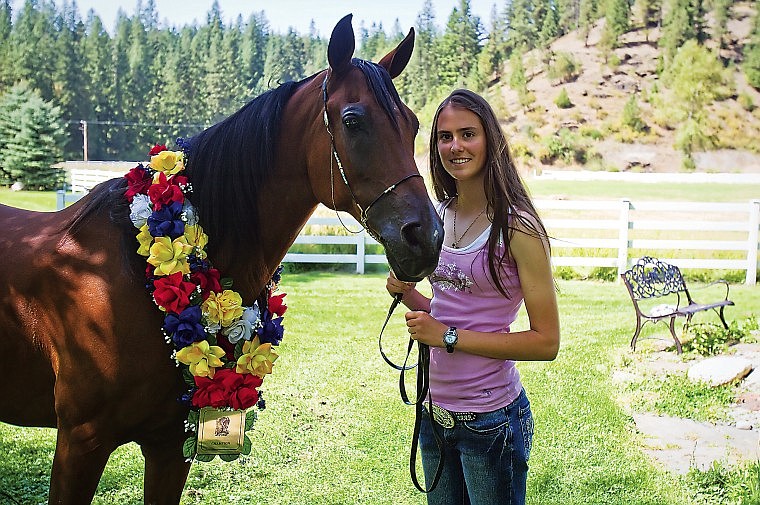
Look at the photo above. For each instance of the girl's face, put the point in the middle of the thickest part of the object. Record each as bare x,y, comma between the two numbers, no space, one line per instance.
462,143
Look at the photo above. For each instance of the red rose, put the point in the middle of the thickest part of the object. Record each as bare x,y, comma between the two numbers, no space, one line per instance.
208,281
172,292
276,304
211,392
165,191
156,149
138,182
243,393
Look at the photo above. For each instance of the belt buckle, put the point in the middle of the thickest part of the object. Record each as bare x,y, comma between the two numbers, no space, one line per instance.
441,415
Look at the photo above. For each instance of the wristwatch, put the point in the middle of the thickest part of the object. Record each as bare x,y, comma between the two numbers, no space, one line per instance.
450,339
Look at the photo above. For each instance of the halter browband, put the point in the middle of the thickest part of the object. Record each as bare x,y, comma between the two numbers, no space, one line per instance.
363,212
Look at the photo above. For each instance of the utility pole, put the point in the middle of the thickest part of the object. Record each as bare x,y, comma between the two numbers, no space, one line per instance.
83,127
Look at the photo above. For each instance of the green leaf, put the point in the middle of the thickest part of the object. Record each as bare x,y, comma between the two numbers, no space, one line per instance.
187,376
229,457
247,446
226,283
188,448
192,417
204,457
250,419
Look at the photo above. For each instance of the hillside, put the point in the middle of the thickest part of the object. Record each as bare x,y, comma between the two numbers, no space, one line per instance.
601,91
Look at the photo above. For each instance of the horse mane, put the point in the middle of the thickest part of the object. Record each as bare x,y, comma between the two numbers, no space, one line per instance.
228,163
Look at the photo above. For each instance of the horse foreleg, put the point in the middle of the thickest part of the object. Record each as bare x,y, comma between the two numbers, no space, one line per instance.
165,474
77,466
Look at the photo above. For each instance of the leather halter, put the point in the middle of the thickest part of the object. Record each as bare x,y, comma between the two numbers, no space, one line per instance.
363,211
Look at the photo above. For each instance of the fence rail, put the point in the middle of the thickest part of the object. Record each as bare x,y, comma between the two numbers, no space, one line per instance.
710,236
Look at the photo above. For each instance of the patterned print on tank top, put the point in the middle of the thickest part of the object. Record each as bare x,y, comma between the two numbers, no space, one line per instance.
450,276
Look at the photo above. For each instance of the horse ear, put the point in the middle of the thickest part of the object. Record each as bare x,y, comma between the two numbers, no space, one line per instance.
395,61
342,45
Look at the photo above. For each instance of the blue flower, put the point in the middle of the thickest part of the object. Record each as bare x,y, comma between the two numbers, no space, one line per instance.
167,222
185,328
271,330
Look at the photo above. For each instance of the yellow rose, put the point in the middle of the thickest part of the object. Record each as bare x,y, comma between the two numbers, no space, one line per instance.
168,162
202,358
197,238
224,308
144,238
170,256
257,359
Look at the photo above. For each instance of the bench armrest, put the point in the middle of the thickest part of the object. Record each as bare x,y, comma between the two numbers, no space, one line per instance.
720,281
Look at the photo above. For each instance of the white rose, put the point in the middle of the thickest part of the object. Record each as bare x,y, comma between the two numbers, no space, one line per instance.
139,210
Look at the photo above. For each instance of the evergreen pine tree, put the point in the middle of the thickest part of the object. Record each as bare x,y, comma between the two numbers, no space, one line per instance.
36,144
587,15
6,26
459,47
617,13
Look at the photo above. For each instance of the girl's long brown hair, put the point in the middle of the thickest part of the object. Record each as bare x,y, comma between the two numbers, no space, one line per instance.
505,191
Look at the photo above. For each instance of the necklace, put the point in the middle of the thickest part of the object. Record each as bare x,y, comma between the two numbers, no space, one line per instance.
455,243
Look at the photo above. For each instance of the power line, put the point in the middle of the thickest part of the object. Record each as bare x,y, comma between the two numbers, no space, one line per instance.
129,123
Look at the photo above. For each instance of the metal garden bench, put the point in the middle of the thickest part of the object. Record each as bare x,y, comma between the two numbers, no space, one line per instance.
651,279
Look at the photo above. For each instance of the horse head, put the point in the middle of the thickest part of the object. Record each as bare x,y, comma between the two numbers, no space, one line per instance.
373,174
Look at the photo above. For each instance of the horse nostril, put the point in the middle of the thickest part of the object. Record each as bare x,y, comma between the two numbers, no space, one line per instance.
410,233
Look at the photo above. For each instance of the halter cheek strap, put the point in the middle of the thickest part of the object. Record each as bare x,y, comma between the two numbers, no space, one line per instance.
363,211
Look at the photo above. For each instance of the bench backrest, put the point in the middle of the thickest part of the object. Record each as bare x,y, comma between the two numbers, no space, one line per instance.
652,278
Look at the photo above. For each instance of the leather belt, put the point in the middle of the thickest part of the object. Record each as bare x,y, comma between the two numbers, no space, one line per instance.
447,418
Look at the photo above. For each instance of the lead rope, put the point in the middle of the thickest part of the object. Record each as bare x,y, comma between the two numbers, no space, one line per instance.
423,391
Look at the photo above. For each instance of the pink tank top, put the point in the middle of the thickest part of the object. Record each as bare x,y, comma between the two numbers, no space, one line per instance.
464,296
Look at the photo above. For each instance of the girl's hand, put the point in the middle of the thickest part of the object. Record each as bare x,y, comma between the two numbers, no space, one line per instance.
425,329
395,286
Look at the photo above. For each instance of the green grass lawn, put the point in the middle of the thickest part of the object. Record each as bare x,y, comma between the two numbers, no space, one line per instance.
336,432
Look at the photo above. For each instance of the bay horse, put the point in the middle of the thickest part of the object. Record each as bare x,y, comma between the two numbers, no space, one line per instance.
82,345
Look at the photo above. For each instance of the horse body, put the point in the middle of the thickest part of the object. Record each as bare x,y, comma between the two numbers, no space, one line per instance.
83,350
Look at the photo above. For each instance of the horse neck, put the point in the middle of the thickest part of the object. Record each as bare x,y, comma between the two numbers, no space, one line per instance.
287,200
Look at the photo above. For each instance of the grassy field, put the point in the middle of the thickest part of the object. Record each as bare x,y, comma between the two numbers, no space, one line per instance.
336,432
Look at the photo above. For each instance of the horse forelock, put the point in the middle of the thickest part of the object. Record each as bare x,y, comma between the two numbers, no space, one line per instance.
382,87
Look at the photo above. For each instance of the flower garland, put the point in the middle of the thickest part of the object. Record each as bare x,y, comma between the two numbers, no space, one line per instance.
224,348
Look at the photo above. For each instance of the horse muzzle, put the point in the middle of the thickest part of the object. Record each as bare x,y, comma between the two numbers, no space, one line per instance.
412,237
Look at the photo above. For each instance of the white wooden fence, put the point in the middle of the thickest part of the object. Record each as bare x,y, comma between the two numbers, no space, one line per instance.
711,236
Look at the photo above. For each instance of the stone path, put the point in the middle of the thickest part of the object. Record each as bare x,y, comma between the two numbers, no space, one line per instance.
680,444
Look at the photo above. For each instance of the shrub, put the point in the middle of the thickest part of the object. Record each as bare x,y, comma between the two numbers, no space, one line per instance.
566,273
709,339
564,67
746,101
607,274
563,145
563,101
632,116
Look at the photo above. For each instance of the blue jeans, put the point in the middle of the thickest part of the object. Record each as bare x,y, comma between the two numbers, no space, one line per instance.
485,460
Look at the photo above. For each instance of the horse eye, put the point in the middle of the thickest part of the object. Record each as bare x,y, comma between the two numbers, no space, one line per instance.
351,121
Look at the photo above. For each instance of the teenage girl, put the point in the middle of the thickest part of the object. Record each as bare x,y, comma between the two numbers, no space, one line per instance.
495,257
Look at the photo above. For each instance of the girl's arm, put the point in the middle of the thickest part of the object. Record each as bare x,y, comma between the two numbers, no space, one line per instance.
540,342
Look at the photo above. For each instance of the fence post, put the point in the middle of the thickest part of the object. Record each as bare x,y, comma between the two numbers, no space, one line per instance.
623,242
361,240
752,239
60,199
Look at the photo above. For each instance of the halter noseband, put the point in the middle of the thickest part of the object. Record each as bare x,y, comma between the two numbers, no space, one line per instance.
363,212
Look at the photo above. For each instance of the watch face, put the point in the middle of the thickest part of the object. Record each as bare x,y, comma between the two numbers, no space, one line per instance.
450,336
